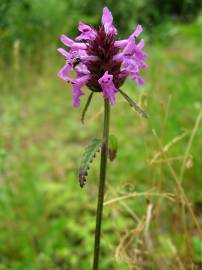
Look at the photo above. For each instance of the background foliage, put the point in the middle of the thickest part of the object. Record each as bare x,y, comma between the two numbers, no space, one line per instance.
46,220
35,23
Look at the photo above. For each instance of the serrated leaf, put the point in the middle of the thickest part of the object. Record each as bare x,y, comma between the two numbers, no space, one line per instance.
87,158
134,104
86,107
113,147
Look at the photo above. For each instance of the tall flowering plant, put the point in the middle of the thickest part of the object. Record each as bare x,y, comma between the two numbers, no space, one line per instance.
102,62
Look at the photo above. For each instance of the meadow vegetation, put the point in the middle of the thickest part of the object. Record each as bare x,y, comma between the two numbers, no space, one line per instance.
153,202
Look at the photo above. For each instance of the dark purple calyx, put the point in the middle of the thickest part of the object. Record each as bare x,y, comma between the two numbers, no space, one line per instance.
103,47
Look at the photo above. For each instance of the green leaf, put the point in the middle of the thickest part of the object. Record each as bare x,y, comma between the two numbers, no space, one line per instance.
86,107
197,247
87,158
113,147
134,104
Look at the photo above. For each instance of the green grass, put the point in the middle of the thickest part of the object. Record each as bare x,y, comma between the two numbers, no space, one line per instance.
46,220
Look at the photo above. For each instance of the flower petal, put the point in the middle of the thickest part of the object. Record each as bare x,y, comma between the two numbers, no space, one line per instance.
63,52
62,74
82,69
121,43
130,47
107,21
70,43
107,17
84,27
137,31
140,45
87,32
66,41
76,93
130,65
118,57
137,78
108,87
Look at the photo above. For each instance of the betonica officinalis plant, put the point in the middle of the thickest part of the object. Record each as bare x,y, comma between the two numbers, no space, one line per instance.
102,62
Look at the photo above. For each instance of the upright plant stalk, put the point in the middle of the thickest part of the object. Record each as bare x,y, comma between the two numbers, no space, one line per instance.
102,62
103,168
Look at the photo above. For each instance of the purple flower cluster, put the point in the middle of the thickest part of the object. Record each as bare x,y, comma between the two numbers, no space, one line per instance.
100,60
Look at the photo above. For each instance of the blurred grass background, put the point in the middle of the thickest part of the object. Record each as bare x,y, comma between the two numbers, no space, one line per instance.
153,220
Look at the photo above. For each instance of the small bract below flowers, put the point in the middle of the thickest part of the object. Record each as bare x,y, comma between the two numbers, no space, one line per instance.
100,60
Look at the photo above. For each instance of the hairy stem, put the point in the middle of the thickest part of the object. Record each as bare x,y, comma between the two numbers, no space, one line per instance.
103,168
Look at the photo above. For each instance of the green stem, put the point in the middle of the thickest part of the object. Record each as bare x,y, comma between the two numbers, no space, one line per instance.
103,168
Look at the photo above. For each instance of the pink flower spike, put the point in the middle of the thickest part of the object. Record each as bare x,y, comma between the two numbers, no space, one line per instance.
108,87
107,21
100,60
